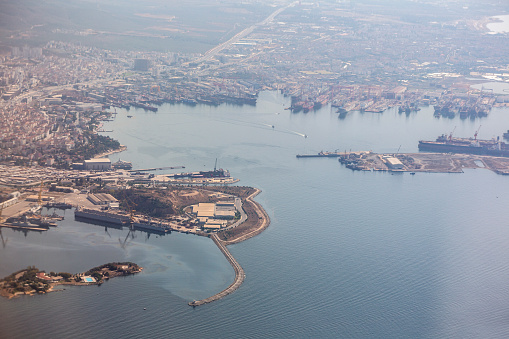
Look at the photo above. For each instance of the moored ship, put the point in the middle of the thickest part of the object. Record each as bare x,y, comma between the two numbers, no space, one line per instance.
149,225
108,217
120,164
445,144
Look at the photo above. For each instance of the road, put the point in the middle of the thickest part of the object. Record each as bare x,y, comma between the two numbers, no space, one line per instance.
243,215
213,52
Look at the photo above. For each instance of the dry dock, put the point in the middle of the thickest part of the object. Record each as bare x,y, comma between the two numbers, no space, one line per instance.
239,276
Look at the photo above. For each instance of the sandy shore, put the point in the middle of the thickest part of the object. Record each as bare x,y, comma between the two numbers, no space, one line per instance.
118,150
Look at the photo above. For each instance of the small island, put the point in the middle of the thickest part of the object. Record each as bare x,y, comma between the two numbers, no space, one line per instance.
31,280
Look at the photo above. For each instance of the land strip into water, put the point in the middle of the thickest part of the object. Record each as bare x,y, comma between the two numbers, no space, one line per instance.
257,221
239,275
416,162
252,220
32,281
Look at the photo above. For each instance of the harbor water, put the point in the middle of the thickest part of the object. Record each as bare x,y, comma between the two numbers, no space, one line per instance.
347,254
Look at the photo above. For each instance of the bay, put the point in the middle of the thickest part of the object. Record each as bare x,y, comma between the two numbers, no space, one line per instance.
347,254
499,27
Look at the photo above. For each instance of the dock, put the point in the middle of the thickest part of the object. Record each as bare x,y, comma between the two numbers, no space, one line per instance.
24,228
155,169
321,155
239,276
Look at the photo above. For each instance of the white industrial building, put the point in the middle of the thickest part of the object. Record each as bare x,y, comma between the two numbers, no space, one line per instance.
214,216
99,164
103,199
393,163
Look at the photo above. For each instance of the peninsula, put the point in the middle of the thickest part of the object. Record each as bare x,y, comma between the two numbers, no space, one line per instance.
415,162
31,280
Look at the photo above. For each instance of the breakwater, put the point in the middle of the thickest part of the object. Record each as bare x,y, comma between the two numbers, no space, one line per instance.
321,154
239,276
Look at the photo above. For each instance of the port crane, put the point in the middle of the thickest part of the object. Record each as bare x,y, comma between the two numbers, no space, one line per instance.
476,132
130,208
450,135
123,244
4,240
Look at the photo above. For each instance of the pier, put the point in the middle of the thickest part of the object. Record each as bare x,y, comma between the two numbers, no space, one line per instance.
24,228
156,169
321,154
239,276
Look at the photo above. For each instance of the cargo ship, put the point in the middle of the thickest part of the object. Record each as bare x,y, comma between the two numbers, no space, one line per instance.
150,226
448,144
120,164
216,173
108,217
320,154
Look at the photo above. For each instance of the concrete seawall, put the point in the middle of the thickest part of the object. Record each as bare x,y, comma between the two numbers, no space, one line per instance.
239,276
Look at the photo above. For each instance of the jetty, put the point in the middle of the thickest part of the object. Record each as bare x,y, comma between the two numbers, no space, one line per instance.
155,169
321,154
239,276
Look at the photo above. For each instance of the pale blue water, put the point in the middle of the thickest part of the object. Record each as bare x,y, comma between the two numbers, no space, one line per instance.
347,255
500,27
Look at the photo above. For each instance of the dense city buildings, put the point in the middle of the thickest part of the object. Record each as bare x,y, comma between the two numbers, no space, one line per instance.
55,96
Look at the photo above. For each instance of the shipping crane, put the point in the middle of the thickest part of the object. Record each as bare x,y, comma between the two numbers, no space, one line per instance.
4,240
476,132
130,208
450,135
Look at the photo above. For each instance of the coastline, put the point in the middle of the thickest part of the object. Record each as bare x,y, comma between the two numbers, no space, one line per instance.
497,19
482,24
239,276
38,282
262,223
105,154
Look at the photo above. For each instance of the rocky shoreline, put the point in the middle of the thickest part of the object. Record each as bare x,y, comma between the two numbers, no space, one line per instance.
31,281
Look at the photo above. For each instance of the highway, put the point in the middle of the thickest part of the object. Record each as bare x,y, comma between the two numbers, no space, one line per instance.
213,52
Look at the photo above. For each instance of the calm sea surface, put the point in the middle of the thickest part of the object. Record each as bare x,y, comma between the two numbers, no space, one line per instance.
347,254
500,27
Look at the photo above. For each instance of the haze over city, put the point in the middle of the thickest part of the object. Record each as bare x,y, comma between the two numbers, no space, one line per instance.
313,166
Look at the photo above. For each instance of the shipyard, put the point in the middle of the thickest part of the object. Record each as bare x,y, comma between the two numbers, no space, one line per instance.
174,203
426,162
268,88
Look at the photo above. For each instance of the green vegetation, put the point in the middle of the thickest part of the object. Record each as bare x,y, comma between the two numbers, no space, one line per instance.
143,201
26,280
96,144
